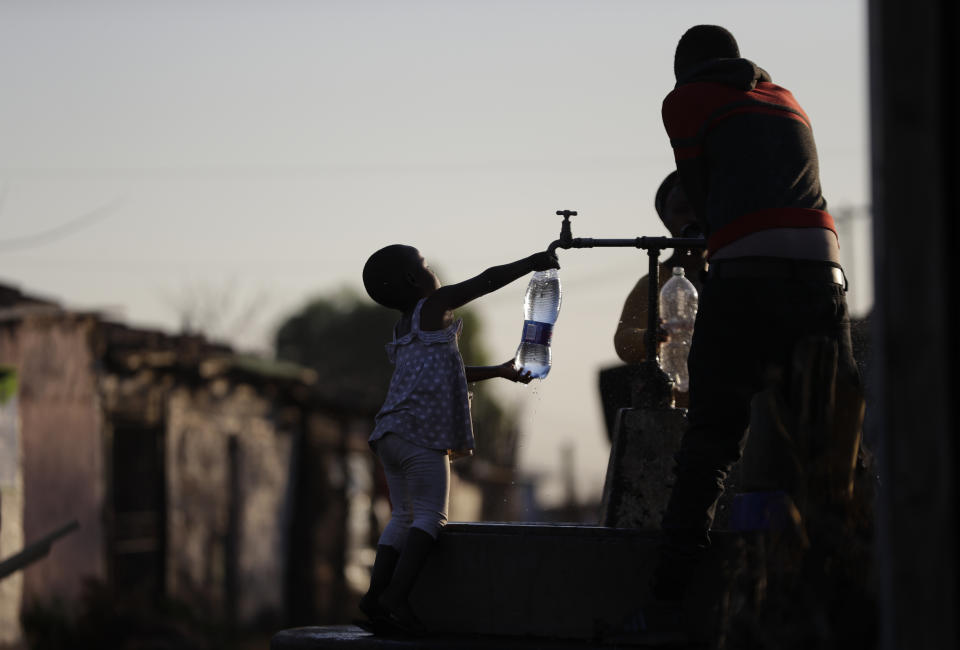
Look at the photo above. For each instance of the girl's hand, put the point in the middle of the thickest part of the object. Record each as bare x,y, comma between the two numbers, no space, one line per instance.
544,261
511,372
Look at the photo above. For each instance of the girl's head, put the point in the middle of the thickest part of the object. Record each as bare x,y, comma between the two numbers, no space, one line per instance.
397,277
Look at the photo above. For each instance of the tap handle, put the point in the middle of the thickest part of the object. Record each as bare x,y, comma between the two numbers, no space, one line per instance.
566,234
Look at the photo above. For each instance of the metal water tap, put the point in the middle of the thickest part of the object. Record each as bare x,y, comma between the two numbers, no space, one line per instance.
654,385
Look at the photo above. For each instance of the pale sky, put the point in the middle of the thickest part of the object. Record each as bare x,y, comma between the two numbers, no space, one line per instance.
263,149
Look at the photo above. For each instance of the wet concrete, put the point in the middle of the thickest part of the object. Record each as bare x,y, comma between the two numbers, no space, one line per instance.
640,471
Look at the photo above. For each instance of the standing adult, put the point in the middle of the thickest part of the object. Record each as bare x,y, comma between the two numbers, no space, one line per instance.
747,161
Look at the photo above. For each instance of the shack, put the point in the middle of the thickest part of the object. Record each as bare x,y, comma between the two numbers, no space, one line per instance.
231,484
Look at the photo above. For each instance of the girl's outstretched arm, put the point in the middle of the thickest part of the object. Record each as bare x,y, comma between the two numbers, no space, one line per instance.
506,370
450,297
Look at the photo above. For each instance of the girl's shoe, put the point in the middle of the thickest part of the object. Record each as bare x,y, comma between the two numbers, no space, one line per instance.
394,599
402,618
381,628
380,576
372,609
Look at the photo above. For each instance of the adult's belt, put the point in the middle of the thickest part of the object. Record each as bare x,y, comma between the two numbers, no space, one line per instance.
778,269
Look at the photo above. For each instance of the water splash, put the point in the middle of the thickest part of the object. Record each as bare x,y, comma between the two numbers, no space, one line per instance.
533,386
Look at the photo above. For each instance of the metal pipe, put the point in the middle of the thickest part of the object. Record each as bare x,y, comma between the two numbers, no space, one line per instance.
651,338
645,243
653,246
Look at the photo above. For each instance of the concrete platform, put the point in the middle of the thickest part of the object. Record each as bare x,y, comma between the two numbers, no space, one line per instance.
534,580
489,585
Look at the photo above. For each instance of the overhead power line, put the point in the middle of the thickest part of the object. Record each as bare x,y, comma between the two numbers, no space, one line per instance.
66,229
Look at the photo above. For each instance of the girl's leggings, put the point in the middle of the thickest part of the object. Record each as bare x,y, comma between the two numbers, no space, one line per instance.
419,483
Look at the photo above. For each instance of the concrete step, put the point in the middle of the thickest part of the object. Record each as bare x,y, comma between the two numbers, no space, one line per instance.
559,581
515,586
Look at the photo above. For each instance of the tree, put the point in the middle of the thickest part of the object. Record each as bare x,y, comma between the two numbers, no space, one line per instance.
219,313
341,336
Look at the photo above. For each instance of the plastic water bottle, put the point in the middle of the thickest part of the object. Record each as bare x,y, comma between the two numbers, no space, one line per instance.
678,309
541,306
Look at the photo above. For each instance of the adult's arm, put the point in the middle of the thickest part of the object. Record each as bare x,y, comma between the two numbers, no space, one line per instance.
685,113
628,339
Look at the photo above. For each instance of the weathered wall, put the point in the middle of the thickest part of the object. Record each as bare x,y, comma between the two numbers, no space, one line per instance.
265,459
197,505
11,509
63,463
228,502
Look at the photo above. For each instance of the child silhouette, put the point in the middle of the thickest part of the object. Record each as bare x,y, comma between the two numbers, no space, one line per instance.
426,415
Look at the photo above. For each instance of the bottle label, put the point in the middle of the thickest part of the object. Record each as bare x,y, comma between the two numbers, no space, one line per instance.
537,332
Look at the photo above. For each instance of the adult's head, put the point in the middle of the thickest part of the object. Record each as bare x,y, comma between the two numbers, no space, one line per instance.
702,43
674,209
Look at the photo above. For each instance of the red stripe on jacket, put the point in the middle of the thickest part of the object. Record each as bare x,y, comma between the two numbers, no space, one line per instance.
687,109
765,219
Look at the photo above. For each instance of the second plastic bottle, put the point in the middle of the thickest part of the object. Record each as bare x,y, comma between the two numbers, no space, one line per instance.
678,310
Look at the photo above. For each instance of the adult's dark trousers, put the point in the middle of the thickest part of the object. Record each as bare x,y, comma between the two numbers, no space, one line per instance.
746,328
